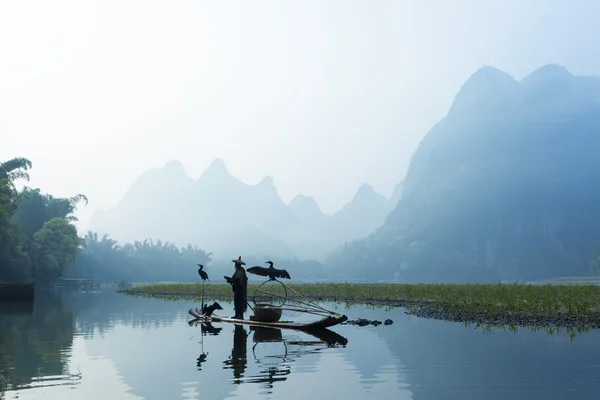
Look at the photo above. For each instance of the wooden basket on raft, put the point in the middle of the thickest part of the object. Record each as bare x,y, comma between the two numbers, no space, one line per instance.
266,313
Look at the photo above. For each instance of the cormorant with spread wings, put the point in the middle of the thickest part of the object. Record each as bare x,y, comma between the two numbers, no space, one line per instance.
271,272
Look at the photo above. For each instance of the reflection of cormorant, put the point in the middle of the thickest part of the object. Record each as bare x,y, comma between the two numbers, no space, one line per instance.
271,272
202,273
200,360
209,329
238,360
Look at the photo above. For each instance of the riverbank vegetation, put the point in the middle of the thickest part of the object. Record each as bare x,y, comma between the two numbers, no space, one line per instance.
511,304
39,242
37,237
101,258
104,259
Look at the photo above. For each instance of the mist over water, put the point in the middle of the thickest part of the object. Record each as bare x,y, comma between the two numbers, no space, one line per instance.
343,141
76,345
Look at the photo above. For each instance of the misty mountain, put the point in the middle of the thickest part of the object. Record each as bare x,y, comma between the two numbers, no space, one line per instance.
221,214
506,186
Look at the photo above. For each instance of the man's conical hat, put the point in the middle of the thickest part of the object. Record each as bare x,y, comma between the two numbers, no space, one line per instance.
238,261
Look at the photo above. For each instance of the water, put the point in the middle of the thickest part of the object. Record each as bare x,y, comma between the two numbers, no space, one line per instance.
111,346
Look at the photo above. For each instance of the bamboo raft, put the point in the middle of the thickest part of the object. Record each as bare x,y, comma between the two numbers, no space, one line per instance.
268,315
323,323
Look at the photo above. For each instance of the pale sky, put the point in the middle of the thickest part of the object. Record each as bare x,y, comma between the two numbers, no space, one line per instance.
322,95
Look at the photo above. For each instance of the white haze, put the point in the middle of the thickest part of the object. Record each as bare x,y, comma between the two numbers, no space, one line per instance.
321,95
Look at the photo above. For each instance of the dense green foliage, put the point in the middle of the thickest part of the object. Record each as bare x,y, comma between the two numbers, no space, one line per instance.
38,241
37,238
104,259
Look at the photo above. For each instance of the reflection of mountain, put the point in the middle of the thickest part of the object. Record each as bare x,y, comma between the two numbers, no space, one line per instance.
156,354
448,360
100,312
33,344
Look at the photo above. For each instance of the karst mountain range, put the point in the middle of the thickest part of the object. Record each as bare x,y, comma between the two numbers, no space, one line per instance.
225,216
505,186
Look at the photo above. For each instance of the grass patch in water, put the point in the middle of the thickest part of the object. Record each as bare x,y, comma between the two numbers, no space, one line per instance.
504,303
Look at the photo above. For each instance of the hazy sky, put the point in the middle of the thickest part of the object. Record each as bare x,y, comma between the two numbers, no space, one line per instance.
320,95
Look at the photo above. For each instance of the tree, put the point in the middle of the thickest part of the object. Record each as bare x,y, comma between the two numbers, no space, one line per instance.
36,208
55,246
37,240
104,259
14,264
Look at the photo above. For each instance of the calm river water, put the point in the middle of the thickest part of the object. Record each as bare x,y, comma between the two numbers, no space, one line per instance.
111,346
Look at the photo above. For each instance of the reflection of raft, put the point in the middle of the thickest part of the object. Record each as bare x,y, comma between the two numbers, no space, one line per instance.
264,334
325,322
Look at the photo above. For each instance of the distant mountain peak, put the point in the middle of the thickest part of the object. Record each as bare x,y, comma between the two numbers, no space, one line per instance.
548,73
489,72
365,190
305,207
217,165
301,201
175,167
217,168
551,70
366,195
485,84
266,181
487,78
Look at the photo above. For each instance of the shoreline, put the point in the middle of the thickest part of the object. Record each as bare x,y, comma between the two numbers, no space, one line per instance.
528,305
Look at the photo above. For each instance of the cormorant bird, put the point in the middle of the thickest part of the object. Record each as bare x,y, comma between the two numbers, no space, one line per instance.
208,310
271,272
202,273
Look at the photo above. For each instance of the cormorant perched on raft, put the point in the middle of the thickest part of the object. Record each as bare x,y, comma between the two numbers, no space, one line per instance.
208,310
202,273
271,272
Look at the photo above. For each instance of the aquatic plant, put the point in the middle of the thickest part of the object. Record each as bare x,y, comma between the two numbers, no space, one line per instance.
516,304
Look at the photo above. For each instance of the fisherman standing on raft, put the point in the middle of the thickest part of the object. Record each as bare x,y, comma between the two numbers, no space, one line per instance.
239,286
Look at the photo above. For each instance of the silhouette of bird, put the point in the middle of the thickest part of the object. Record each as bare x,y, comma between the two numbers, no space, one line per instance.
271,272
208,310
209,329
202,273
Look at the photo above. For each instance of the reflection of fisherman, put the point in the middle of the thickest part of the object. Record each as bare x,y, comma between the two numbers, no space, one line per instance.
238,360
239,285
